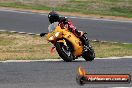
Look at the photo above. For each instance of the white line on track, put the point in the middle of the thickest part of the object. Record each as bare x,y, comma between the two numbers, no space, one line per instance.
52,60
96,19
39,34
24,12
102,19
120,87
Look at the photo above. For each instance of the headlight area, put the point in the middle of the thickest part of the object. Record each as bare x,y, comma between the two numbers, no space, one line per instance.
54,36
51,38
57,34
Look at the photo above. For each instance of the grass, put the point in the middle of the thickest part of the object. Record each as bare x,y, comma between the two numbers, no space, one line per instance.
29,47
23,46
100,7
112,49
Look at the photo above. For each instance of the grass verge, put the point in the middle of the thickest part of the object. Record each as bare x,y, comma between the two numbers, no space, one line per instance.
100,7
31,47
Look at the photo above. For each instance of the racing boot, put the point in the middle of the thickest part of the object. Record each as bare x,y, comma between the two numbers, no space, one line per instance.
84,39
86,43
80,35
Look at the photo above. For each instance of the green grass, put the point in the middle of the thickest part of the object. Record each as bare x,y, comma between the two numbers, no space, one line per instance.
31,47
15,5
100,7
112,49
23,47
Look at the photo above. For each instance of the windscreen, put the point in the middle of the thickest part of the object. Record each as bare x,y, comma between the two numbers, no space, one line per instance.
53,26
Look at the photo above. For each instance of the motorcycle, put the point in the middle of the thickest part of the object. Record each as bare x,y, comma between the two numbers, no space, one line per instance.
68,46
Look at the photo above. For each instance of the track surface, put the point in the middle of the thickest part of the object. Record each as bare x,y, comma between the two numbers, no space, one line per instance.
97,29
59,74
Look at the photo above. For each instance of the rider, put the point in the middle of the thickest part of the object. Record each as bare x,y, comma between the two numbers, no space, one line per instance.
65,22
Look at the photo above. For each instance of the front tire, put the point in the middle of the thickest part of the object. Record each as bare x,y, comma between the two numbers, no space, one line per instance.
63,53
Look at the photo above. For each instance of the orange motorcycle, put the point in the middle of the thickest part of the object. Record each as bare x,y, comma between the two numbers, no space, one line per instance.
68,46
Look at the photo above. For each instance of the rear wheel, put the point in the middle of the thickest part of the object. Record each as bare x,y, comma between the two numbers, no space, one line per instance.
64,52
88,54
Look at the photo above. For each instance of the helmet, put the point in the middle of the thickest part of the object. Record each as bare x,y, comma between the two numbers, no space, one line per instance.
53,17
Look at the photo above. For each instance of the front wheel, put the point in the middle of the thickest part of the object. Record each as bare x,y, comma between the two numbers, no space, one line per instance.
64,52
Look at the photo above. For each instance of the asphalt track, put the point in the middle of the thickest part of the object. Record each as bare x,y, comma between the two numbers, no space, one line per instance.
59,74
97,29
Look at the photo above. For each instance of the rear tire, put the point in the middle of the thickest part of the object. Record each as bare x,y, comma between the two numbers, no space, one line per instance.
88,55
68,57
